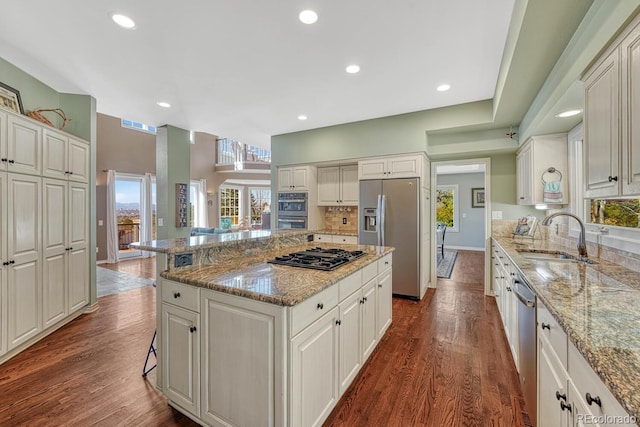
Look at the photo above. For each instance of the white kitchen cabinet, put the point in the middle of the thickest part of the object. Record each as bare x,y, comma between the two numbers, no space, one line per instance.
65,157
503,273
552,386
336,238
612,134
391,167
4,269
369,326
338,185
24,145
533,164
350,339
384,301
314,371
23,257
255,354
296,178
181,356
4,161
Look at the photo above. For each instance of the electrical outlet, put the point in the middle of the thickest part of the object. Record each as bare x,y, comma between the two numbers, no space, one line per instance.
100,223
97,249
184,259
344,220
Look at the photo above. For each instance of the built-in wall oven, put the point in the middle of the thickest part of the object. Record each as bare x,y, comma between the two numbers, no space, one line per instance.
292,210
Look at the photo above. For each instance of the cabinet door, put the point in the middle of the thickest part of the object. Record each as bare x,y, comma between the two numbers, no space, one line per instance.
54,244
524,178
3,258
78,160
24,218
404,167
372,169
24,303
54,295
241,349
630,113
580,412
300,177
369,327
552,379
54,154
3,309
314,371
78,216
328,186
24,146
285,179
349,185
181,357
384,301
350,339
3,141
601,129
78,278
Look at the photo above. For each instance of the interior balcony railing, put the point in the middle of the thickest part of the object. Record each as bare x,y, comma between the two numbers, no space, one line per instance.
234,156
127,234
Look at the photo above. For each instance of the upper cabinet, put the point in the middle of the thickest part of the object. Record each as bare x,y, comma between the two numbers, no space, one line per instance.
391,167
541,170
23,152
612,137
338,185
65,157
296,178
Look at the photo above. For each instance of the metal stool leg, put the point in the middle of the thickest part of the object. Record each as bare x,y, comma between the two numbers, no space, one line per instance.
152,349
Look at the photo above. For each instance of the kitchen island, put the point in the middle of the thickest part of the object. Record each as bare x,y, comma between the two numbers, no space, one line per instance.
248,343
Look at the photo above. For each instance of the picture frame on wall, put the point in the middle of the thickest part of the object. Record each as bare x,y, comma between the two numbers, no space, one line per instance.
10,98
477,197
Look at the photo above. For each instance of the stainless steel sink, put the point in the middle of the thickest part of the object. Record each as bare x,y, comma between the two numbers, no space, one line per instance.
553,256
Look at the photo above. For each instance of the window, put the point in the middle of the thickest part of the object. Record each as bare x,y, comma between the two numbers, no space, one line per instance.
260,199
229,206
198,204
130,124
618,212
447,206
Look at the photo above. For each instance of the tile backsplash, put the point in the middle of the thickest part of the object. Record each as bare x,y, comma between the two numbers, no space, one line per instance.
333,218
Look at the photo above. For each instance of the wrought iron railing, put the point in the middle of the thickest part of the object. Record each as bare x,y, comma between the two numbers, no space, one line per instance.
232,152
127,234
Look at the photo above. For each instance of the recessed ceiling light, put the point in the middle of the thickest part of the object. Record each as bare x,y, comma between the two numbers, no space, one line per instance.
352,69
569,113
123,21
443,88
308,16
302,117
163,104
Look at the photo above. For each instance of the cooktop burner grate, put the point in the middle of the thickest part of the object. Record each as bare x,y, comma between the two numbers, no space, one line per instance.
318,258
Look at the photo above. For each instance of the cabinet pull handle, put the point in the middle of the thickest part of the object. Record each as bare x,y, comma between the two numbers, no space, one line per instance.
176,295
509,288
362,301
11,161
4,160
545,326
521,198
12,262
365,299
613,178
320,306
192,329
591,400
561,396
338,322
5,263
380,285
566,406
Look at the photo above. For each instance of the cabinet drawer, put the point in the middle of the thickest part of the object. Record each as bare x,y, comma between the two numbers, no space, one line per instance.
322,238
587,381
384,263
347,240
313,308
350,284
369,272
549,327
182,295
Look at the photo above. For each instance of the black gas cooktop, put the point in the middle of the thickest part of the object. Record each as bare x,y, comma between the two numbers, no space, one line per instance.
319,258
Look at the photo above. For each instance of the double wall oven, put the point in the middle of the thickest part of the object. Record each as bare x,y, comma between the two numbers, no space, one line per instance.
292,210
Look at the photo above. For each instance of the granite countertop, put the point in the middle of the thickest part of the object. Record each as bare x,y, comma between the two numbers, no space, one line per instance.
597,306
252,277
190,243
337,232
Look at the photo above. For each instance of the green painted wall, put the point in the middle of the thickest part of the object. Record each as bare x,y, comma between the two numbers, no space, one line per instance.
503,188
173,166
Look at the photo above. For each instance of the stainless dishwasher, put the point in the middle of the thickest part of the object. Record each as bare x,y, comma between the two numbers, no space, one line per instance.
527,342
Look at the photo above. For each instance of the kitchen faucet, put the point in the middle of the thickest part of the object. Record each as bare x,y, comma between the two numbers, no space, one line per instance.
582,247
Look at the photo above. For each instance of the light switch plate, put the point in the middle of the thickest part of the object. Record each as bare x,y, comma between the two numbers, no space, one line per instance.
160,222
496,214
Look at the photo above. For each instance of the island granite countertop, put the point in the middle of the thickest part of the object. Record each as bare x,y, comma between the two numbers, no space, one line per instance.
597,306
252,277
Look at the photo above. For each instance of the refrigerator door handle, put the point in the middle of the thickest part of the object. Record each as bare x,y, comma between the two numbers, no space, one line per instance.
378,223
382,217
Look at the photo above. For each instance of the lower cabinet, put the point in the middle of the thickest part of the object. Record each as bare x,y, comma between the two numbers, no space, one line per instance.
552,386
335,238
233,361
181,356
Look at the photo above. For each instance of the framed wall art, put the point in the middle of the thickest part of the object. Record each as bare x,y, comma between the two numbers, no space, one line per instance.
10,99
477,197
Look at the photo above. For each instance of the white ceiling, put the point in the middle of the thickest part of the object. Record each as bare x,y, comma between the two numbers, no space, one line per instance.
246,69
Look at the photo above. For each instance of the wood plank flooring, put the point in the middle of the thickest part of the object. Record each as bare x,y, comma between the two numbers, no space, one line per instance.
142,267
444,361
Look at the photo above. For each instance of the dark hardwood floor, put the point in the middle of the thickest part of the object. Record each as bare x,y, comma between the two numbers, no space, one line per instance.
444,361
142,267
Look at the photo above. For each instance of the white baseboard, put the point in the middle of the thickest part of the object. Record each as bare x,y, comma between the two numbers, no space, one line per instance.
464,248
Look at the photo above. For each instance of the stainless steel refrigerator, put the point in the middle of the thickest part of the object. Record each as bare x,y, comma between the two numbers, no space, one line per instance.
389,212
